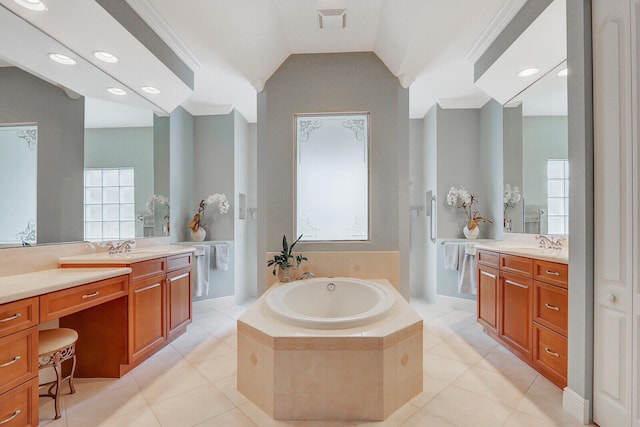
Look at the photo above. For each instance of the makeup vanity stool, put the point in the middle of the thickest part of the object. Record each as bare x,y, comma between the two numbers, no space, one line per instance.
56,346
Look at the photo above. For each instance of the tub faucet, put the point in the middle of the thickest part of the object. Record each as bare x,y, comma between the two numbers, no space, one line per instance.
550,242
305,275
120,248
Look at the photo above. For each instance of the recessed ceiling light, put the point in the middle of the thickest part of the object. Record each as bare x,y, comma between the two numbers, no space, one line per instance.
105,56
62,59
563,73
36,5
529,72
150,89
116,91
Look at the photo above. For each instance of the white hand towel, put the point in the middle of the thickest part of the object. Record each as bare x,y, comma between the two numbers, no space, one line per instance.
467,276
221,256
201,272
470,249
450,256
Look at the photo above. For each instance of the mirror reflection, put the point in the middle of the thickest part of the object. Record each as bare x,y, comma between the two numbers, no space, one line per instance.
100,170
332,177
542,172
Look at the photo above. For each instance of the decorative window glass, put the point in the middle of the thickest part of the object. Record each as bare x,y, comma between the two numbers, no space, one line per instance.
332,177
109,209
18,183
558,196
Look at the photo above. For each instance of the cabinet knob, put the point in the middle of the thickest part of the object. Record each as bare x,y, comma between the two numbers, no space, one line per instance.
611,298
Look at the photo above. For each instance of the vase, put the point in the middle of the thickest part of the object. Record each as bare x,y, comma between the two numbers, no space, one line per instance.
198,235
474,233
287,274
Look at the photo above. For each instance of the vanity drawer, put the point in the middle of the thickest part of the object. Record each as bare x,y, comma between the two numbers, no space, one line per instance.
550,305
147,269
177,262
61,303
488,258
19,406
18,358
516,265
550,354
18,315
552,272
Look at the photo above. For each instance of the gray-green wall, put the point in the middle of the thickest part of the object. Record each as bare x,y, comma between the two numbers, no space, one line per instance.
315,83
513,162
60,119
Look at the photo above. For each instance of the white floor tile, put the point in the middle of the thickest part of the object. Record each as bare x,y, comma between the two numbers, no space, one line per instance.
469,380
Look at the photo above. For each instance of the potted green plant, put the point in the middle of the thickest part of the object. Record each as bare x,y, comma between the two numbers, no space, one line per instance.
285,263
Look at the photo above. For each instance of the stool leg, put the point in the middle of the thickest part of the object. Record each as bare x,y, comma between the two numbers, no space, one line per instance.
56,399
73,370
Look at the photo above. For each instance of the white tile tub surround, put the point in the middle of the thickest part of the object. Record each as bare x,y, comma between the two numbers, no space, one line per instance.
361,373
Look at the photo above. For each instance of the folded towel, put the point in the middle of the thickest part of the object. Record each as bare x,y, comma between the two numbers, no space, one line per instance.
467,275
221,257
450,256
200,274
470,249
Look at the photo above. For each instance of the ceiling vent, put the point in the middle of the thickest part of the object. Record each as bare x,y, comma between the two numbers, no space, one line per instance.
332,19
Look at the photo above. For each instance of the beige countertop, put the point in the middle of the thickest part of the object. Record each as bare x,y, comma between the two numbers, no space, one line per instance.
19,286
529,251
136,255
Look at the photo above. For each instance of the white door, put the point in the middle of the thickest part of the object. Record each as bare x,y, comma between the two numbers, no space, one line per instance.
614,371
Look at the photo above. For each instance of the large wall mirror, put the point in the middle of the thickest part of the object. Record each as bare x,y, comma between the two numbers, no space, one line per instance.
94,170
332,177
544,172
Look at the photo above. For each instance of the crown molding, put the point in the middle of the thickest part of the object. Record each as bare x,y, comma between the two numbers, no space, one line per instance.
464,103
153,18
506,13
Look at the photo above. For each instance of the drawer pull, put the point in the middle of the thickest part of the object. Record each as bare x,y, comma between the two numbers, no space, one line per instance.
552,307
553,353
15,414
512,283
95,294
15,316
552,273
484,273
11,362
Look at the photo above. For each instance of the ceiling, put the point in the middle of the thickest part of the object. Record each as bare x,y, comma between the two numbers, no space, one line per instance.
235,46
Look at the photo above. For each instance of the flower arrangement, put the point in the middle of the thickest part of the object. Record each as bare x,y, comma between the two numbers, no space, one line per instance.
217,198
160,200
461,198
512,197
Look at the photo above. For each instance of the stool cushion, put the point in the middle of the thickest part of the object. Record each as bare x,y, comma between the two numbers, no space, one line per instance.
55,339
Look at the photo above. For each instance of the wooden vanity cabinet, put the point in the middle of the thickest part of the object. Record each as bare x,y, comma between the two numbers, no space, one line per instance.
159,303
19,363
523,302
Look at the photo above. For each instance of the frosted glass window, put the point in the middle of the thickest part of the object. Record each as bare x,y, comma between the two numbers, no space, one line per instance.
109,211
558,196
332,177
18,184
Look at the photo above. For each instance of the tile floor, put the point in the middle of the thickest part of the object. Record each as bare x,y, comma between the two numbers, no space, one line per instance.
469,381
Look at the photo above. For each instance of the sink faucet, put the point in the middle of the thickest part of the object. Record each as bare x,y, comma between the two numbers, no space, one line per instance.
550,242
120,248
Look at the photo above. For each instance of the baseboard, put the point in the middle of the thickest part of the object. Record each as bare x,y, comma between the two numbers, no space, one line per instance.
458,303
575,405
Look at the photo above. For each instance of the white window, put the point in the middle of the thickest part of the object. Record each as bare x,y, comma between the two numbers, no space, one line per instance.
558,196
109,204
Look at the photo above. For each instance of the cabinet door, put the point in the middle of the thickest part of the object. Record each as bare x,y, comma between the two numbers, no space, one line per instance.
515,312
488,297
179,300
147,321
